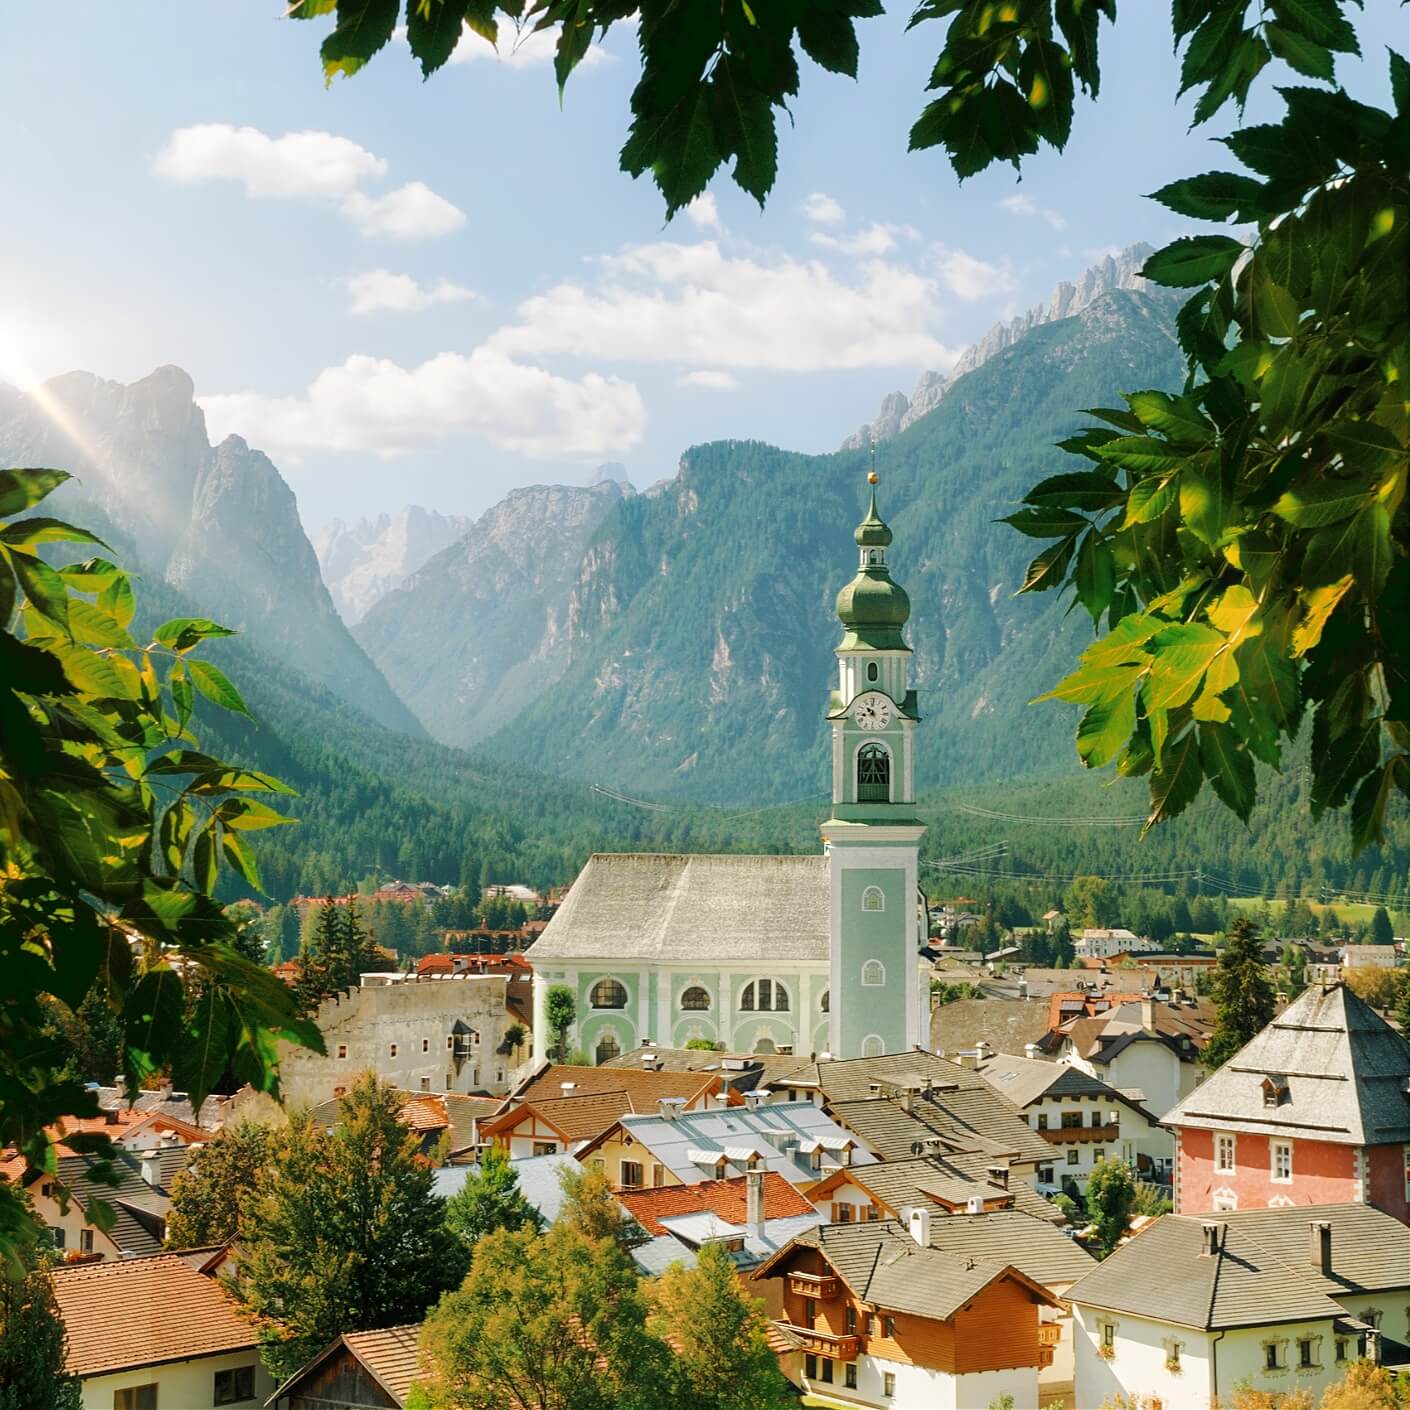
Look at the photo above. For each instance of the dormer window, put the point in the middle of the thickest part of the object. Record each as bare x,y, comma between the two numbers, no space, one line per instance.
1275,1090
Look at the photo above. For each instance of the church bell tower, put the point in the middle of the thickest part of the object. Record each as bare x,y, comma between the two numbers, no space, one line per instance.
877,998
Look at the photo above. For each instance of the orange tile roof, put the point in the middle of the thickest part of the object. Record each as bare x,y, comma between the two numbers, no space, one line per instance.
728,1199
575,1118
424,1113
143,1312
113,1124
392,1356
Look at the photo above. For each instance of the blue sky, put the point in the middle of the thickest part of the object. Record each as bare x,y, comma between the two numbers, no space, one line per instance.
444,290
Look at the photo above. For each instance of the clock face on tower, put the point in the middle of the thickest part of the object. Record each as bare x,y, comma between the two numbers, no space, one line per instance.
872,711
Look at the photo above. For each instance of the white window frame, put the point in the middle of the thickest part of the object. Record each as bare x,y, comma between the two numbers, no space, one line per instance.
1225,1142
872,894
873,1045
870,970
1275,1150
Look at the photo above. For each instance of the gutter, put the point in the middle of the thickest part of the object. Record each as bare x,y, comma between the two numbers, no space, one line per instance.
1214,1364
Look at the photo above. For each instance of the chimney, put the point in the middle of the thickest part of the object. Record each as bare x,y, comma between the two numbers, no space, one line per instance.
983,1051
165,1089
1211,1236
567,1088
1321,1246
917,1219
974,1204
120,1092
671,1107
999,1174
1032,1051
151,1169
648,1062
754,1204
754,1100
1148,1015
969,1057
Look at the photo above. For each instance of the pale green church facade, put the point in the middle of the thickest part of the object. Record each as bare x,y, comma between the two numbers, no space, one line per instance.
812,955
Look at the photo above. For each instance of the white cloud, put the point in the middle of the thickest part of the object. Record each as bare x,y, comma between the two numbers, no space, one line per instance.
821,209
688,303
1028,208
371,405
528,49
874,239
380,289
411,212
704,212
306,166
969,278
709,377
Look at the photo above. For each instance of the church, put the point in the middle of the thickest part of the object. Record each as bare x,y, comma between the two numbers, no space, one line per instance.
809,955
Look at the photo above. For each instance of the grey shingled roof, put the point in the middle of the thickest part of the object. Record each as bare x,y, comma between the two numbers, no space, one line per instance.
884,1266
139,1220
659,906
1023,1080
1004,1024
980,1121
1262,1274
898,1183
1345,1067
1036,1247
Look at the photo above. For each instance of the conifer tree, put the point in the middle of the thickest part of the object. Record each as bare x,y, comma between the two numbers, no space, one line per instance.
718,1333
1402,1007
32,1340
1382,932
338,954
1242,994
490,1199
208,1198
348,1235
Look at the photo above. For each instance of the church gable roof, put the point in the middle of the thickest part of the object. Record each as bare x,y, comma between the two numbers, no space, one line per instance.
691,909
1339,1073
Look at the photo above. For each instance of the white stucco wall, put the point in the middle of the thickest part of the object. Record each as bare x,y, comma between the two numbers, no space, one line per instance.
181,1385
918,1388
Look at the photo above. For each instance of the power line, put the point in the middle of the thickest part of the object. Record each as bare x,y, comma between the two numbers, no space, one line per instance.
1082,820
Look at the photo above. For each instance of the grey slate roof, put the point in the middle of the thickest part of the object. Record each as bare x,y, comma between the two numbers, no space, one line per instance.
1023,1080
1036,1247
139,1211
884,1266
1002,1023
898,1183
973,1120
664,907
1346,1071
1263,1273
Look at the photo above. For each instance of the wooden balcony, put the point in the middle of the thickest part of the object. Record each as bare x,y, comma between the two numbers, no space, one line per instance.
1049,1333
1082,1135
820,1285
820,1343
1045,1357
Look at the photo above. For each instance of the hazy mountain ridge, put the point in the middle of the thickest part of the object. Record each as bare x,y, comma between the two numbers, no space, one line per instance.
217,522
898,412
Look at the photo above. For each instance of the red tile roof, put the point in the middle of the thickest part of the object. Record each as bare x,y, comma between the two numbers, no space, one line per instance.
143,1312
728,1199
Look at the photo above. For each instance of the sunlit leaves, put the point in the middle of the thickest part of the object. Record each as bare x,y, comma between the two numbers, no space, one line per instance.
1193,260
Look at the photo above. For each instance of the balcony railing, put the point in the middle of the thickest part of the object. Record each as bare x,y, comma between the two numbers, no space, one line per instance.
819,1343
822,1285
1079,1135
1049,1333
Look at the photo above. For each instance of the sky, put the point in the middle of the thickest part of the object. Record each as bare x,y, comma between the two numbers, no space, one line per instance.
434,292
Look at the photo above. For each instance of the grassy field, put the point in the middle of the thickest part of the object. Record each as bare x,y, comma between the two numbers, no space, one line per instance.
1351,913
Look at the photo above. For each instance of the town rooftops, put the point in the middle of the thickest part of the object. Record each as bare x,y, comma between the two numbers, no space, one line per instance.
727,1200
1340,1074
645,1088
390,1357
1003,1023
1036,1247
575,1118
144,1312
664,907
885,1267
1263,1268
139,1209
1025,1080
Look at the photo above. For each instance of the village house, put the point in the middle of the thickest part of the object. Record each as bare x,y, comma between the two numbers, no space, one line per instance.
1314,1110
1083,1118
359,1371
409,893
1101,944
435,1117
876,1315
1372,956
155,1333
674,1146
1278,1300
513,891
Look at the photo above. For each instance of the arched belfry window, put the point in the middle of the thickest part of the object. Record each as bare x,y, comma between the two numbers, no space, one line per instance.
873,1046
764,996
873,899
873,774
824,1002
873,974
608,1048
873,671
608,994
695,999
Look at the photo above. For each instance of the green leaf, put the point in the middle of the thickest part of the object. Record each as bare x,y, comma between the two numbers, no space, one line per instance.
1276,314
1082,489
1105,729
22,489
1305,55
1078,21
182,633
153,1011
1049,568
1176,783
215,685
1145,455
1369,807
1217,195
1181,654
1318,502
247,815
118,600
1319,603
1206,501
92,575
182,696
1211,43
96,627
1092,685
1150,498
829,38
744,123
1228,767
1124,642
1045,523
363,27
1178,418
238,854
203,1046
1045,78
1192,260
1371,564
433,29
1095,574
1321,21
42,586
44,530
1400,82
1240,67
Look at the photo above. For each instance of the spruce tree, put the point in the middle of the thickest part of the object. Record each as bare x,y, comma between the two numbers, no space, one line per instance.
1243,994
1382,932
1402,1007
490,1199
348,1235
32,1340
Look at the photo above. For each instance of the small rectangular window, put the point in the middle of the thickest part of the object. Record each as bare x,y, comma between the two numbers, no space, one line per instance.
1073,1156
234,1385
850,1317
1097,1154
1042,1120
1282,1162
888,1383
888,1327
826,1369
136,1398
1071,1120
631,1175
1270,1356
425,1084
342,1050
85,1240
658,1177
425,1045
1341,1348
545,1147
1109,1335
1224,1154
810,1367
392,1049
850,1377
59,1237
450,1042
1304,1352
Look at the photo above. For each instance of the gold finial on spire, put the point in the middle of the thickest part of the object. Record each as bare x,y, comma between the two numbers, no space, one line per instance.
871,474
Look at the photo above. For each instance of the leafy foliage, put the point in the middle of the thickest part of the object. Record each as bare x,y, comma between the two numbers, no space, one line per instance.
590,1207
339,953
114,829
561,1011
209,1197
490,1199
348,1234
1112,1196
32,1343
1243,996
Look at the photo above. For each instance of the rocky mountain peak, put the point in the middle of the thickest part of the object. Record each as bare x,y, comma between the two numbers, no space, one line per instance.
1111,272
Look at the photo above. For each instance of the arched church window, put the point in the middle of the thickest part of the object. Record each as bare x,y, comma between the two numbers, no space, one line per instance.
695,999
873,774
873,974
764,996
873,671
825,1002
608,1048
608,994
872,1046
873,899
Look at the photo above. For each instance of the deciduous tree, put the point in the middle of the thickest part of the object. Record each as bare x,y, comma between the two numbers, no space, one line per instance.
1111,1198
561,1011
209,1197
32,1340
490,1199
590,1207
1243,995
348,1235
